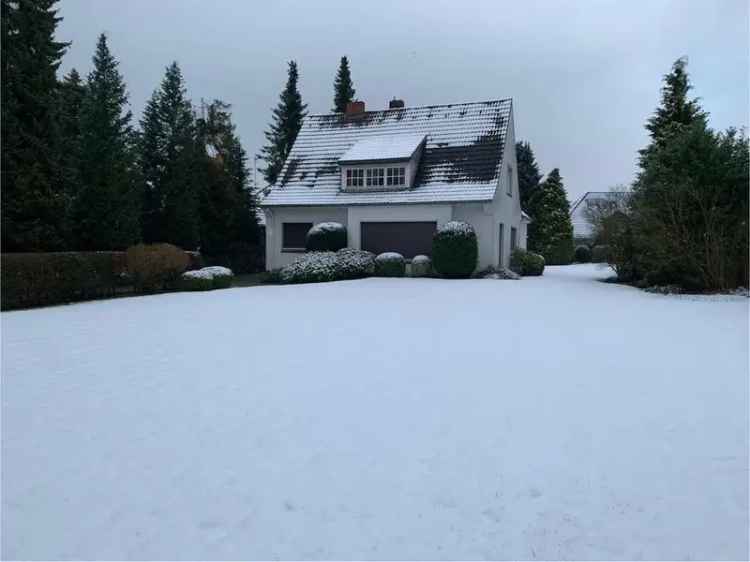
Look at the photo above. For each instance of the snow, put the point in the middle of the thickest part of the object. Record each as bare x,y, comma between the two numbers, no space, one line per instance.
421,260
218,271
198,274
456,227
322,227
553,418
389,256
390,147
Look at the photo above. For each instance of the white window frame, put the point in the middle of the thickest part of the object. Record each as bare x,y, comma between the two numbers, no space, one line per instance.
396,176
355,177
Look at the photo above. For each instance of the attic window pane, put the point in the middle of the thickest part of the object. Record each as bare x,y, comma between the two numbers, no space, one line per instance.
348,178
396,176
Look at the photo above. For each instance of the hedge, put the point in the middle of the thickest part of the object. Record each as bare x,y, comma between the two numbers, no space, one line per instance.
390,264
526,263
583,254
155,267
47,278
326,237
316,267
39,279
455,249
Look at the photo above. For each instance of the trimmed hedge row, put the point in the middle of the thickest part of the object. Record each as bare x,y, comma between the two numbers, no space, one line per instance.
455,249
38,279
41,279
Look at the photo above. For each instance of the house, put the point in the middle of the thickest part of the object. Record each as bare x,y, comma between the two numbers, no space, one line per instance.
597,201
393,176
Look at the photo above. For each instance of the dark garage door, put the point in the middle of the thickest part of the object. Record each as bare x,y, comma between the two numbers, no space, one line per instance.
407,238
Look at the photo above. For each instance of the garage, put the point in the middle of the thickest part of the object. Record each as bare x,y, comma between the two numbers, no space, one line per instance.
407,238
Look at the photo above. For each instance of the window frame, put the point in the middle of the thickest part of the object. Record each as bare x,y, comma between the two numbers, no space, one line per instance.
509,181
293,249
396,176
513,238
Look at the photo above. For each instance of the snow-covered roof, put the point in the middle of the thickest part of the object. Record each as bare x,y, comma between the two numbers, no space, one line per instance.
461,159
387,147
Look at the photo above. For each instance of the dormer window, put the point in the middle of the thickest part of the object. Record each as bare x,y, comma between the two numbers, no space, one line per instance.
396,176
381,163
355,177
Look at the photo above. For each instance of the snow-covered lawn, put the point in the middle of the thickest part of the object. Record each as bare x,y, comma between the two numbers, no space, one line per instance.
553,417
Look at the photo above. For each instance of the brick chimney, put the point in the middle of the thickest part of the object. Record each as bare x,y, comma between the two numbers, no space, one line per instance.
355,107
396,104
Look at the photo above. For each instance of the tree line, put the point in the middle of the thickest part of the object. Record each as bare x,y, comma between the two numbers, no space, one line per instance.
78,174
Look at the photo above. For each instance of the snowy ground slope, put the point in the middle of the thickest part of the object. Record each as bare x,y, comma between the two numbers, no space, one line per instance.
556,417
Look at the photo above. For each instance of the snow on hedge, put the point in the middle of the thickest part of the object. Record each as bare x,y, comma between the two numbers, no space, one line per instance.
389,257
322,227
198,274
456,227
218,271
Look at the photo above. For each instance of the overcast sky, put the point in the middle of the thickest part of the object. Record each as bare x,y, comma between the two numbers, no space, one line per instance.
583,76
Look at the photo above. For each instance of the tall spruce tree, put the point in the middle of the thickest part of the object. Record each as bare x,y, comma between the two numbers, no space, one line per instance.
33,200
107,206
169,157
283,130
229,228
71,95
528,173
551,232
343,88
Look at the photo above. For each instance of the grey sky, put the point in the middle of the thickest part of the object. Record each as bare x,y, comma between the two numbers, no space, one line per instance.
583,76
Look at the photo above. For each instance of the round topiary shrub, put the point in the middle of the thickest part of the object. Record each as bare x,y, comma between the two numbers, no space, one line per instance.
310,268
390,264
455,249
421,266
599,253
533,264
326,237
196,280
583,254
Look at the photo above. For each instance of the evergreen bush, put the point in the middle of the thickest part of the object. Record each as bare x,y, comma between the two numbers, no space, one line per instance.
421,266
155,267
599,253
455,249
583,254
390,264
326,237
526,263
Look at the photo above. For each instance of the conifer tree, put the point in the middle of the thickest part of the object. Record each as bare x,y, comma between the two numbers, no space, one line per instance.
106,209
343,88
71,95
283,130
169,156
33,202
528,173
551,232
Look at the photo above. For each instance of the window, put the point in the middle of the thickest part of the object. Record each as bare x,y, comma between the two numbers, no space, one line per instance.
375,176
513,238
355,178
293,236
500,242
396,176
509,182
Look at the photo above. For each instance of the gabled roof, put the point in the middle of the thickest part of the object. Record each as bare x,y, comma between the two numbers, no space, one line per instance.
461,159
389,148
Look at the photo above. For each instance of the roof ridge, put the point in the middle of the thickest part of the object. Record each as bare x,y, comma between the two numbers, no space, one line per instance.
434,106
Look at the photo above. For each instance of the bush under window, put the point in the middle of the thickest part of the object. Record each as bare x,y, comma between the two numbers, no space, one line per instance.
326,237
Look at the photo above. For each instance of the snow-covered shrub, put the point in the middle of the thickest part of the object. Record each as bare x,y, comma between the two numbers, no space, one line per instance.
583,254
493,272
599,253
421,266
222,276
310,268
196,280
326,237
354,264
155,267
390,264
526,263
455,249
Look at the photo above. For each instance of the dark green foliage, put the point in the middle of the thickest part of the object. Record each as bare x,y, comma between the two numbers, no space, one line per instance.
155,267
230,234
70,102
343,88
687,221
222,281
390,264
170,165
583,254
455,250
551,232
195,283
599,253
34,202
39,279
326,237
106,204
283,130
526,263
528,174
